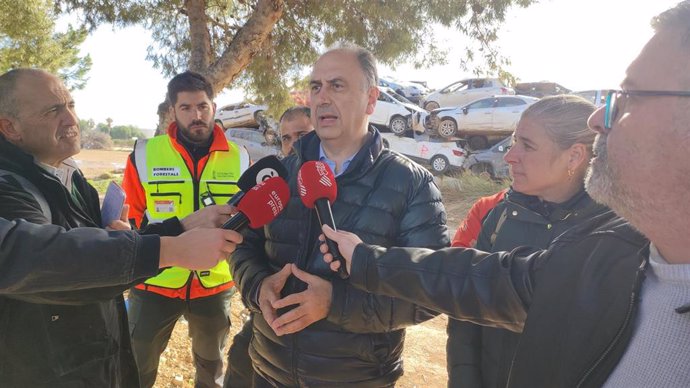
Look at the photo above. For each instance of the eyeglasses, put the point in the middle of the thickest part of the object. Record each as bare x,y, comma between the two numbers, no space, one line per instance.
613,96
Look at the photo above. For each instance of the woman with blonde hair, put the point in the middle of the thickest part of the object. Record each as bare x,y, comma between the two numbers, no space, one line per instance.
548,159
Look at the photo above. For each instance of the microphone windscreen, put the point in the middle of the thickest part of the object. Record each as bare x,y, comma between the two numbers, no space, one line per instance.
263,202
315,180
264,168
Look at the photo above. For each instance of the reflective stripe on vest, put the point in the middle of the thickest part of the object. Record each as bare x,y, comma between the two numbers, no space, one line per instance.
169,188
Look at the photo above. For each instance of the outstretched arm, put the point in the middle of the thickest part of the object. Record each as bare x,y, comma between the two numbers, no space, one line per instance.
453,281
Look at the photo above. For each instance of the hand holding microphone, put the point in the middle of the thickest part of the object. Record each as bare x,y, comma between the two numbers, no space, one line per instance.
317,189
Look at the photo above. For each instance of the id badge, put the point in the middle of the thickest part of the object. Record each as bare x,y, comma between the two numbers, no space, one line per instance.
164,206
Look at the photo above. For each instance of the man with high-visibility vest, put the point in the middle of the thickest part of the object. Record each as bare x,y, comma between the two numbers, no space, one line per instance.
169,176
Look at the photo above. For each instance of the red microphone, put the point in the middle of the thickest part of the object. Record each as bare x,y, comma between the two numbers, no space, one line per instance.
317,189
260,205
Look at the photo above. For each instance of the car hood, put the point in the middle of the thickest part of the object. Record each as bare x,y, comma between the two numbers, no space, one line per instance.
414,108
439,110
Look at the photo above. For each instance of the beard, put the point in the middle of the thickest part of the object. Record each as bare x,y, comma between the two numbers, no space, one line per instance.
604,184
195,135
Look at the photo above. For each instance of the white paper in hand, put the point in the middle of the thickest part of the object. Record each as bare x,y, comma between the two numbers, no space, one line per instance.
112,204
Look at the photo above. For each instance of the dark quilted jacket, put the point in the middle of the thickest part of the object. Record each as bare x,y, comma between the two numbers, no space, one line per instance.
384,198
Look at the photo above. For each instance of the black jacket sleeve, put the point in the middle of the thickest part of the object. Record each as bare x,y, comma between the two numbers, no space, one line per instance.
423,225
46,264
487,289
249,266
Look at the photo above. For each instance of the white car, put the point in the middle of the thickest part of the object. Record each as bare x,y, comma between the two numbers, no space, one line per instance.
492,117
241,114
393,111
409,90
465,91
440,156
254,141
596,97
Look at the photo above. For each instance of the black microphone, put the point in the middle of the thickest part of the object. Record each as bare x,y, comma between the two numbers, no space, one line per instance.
258,172
318,190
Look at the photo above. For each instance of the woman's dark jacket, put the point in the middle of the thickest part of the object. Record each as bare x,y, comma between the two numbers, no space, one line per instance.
63,319
481,356
582,294
385,199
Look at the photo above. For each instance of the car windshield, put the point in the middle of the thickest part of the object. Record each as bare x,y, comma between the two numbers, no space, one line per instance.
400,98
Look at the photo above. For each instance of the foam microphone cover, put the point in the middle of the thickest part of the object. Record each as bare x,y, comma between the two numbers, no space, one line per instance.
263,202
264,168
315,180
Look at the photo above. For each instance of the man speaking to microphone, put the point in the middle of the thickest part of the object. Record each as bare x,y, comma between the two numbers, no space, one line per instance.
313,328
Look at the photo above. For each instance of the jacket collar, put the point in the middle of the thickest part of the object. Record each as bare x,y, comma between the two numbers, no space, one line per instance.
307,148
551,210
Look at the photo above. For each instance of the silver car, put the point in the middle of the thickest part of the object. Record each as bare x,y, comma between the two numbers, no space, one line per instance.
490,161
480,121
254,141
462,92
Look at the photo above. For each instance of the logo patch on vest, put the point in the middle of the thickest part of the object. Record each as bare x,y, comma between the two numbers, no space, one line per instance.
205,273
223,175
164,206
165,171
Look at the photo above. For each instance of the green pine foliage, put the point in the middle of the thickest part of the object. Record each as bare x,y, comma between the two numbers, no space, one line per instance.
28,39
264,46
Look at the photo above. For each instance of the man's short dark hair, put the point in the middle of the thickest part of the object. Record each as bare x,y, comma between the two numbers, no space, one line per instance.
294,112
188,81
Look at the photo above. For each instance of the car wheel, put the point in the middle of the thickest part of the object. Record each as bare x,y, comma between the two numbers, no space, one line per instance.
398,125
431,105
478,143
439,164
483,170
219,122
447,128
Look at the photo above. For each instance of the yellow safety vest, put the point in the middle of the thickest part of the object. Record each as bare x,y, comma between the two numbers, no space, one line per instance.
171,190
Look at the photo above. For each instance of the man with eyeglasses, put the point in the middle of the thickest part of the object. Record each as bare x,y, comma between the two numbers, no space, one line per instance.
609,301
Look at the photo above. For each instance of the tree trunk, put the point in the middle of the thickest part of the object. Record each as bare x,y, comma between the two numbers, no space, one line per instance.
247,42
199,36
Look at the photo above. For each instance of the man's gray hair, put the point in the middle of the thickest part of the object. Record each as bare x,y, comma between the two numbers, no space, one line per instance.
8,85
367,61
676,17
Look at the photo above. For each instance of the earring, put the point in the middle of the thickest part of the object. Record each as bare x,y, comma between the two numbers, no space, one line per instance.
570,174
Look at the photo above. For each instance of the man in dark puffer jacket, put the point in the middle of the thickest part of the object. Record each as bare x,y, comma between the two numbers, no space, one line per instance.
336,335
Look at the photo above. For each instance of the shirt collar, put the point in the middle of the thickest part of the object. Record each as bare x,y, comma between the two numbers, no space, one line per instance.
331,164
63,172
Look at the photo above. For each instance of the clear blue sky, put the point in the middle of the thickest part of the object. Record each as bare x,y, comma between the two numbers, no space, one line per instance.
581,44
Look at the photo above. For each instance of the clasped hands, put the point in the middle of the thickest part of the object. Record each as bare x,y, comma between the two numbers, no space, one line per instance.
313,303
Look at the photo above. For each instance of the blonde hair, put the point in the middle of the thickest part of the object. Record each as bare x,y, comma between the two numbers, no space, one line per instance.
565,119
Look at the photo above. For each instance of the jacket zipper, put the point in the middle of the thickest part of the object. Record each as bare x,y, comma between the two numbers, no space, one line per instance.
301,264
626,322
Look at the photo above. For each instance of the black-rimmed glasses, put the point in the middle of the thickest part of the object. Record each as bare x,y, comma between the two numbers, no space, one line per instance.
613,96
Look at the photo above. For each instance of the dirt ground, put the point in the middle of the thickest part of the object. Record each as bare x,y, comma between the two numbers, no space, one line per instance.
424,354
